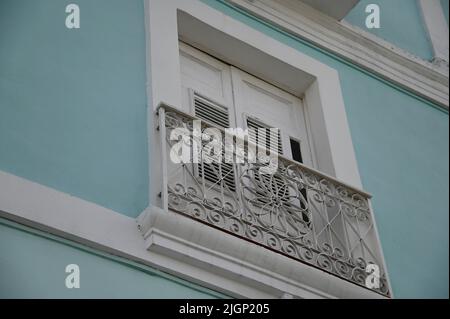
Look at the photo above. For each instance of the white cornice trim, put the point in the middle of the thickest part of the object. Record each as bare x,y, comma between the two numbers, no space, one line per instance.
425,79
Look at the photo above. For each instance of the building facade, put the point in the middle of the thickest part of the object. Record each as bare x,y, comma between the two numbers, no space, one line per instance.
93,97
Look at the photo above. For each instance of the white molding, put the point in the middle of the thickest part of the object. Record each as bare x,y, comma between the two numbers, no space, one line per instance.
172,243
427,80
437,28
260,55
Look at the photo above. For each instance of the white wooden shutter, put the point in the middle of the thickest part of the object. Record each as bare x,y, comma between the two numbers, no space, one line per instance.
258,103
207,110
270,141
211,112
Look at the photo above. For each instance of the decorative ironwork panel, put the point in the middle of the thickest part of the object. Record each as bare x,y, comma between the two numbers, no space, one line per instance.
297,211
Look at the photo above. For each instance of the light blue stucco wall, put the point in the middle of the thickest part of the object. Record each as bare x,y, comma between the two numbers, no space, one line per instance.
73,102
401,145
400,23
444,4
32,265
72,117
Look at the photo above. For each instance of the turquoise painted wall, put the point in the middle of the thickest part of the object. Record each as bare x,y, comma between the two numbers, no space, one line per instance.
444,4
401,144
73,102
32,265
400,23
72,117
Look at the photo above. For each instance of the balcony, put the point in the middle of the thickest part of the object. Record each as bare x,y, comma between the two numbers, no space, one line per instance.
297,212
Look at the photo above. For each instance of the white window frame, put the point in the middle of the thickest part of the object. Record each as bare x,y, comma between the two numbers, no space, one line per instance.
232,81
323,98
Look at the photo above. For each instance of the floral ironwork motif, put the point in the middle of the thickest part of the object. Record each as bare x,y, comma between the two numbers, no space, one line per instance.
298,212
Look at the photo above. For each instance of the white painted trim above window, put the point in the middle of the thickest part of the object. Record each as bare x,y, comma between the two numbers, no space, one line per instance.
424,78
437,27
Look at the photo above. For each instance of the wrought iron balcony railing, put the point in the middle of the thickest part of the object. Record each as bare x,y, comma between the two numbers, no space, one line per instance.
298,211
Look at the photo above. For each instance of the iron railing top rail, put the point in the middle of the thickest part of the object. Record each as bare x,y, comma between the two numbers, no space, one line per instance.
361,192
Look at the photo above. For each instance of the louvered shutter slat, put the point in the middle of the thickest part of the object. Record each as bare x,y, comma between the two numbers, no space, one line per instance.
213,113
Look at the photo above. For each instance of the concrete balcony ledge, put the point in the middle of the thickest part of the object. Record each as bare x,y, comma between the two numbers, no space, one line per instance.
248,270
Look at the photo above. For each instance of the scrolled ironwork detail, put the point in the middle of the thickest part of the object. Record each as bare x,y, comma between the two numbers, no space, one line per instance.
297,211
